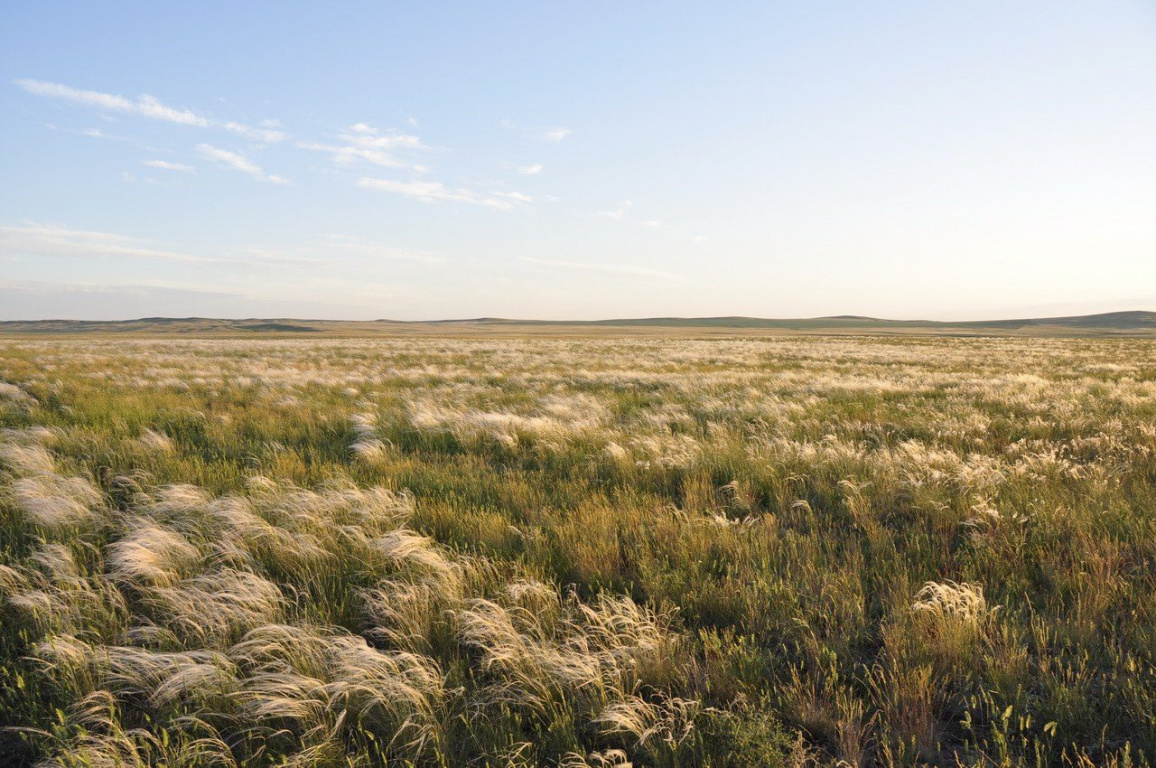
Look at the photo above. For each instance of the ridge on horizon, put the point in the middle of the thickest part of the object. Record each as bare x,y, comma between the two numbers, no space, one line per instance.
1106,322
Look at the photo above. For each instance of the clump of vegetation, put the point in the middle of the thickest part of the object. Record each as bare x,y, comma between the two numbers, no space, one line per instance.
578,552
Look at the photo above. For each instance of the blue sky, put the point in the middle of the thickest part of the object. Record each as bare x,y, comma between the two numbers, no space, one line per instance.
437,160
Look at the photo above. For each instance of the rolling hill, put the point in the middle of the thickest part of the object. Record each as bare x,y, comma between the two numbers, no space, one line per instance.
1134,323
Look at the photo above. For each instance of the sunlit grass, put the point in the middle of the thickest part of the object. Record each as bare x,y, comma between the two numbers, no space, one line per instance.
664,552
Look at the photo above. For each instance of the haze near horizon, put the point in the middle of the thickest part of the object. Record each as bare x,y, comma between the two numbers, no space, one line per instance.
910,161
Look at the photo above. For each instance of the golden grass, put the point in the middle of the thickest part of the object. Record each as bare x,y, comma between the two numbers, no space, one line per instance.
653,550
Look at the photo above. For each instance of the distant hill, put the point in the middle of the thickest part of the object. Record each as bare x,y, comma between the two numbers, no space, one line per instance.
175,325
1137,323
1118,321
1107,320
1111,322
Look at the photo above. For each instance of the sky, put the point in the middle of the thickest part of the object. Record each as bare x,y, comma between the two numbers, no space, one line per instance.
410,161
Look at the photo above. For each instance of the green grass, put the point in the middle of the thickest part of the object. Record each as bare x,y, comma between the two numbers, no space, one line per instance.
578,551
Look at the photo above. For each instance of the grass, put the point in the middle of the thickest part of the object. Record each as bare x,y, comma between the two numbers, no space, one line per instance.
568,551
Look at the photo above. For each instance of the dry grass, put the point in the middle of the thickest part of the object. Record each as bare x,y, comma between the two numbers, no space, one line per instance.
651,551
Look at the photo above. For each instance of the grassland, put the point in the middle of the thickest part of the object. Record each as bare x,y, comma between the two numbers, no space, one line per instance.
668,551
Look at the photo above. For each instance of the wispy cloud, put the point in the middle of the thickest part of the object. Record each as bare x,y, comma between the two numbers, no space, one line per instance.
96,133
92,133
531,170
362,247
345,154
554,134
368,136
34,300
364,142
52,241
625,270
332,248
266,135
622,212
618,214
435,191
541,134
145,106
238,162
321,253
167,166
517,197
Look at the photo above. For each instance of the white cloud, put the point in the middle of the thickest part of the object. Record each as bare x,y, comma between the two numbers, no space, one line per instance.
554,134
531,170
352,244
515,196
387,142
166,165
618,214
260,134
92,133
611,269
151,107
52,241
96,133
91,98
548,134
434,191
322,253
238,162
347,154
331,248
362,141
34,300
147,106
426,191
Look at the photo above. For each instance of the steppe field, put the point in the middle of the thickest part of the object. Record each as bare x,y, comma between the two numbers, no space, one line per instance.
577,550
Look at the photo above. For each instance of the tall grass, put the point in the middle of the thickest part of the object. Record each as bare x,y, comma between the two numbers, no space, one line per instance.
578,552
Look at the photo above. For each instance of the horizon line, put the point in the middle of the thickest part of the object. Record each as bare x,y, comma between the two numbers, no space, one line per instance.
850,318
